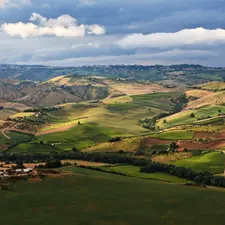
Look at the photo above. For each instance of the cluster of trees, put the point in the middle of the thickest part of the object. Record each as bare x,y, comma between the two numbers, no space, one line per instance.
112,158
202,178
45,109
115,139
177,105
53,160
88,106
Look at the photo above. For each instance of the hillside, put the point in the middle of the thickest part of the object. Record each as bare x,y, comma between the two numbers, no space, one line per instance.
70,89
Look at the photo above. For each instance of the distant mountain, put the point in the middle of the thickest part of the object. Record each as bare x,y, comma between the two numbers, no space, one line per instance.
188,74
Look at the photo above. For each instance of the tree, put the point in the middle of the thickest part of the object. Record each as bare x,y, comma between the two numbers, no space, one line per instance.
53,163
74,149
173,146
19,164
79,123
164,121
192,115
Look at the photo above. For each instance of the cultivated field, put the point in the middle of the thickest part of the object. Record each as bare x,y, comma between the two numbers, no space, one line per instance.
96,198
215,85
212,162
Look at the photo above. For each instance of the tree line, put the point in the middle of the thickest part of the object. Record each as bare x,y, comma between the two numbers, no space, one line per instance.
147,166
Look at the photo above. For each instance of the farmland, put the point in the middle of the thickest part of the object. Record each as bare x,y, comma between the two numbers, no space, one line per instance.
86,135
174,135
212,162
77,204
216,85
191,116
134,171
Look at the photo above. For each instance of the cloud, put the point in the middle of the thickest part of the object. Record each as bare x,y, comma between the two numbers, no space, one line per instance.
14,3
87,2
166,57
62,26
167,40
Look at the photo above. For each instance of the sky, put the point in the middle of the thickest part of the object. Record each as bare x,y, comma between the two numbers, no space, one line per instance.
103,32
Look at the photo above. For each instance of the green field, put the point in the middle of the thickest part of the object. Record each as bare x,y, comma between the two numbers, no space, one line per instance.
32,148
174,135
156,100
213,162
184,117
134,171
16,137
123,117
81,136
97,198
216,85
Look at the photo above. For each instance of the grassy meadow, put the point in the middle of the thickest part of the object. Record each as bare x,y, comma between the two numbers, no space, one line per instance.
82,136
184,117
16,138
174,135
213,162
134,171
32,148
95,198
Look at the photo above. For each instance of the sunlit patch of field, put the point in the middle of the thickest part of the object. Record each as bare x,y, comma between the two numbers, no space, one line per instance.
171,157
215,85
174,135
54,127
55,79
217,98
198,93
136,89
121,99
84,163
22,114
184,117
128,145
212,162
206,128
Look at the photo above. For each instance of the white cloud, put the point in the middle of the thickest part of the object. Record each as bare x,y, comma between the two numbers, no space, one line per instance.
167,40
88,45
63,26
87,2
14,3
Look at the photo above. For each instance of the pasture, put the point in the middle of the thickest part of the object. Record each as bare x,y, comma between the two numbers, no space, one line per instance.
174,135
134,171
197,93
22,114
81,137
213,162
131,144
217,98
122,116
32,148
185,117
121,99
95,198
215,85
16,138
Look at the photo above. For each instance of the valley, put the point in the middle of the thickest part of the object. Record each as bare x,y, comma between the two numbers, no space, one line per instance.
117,131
